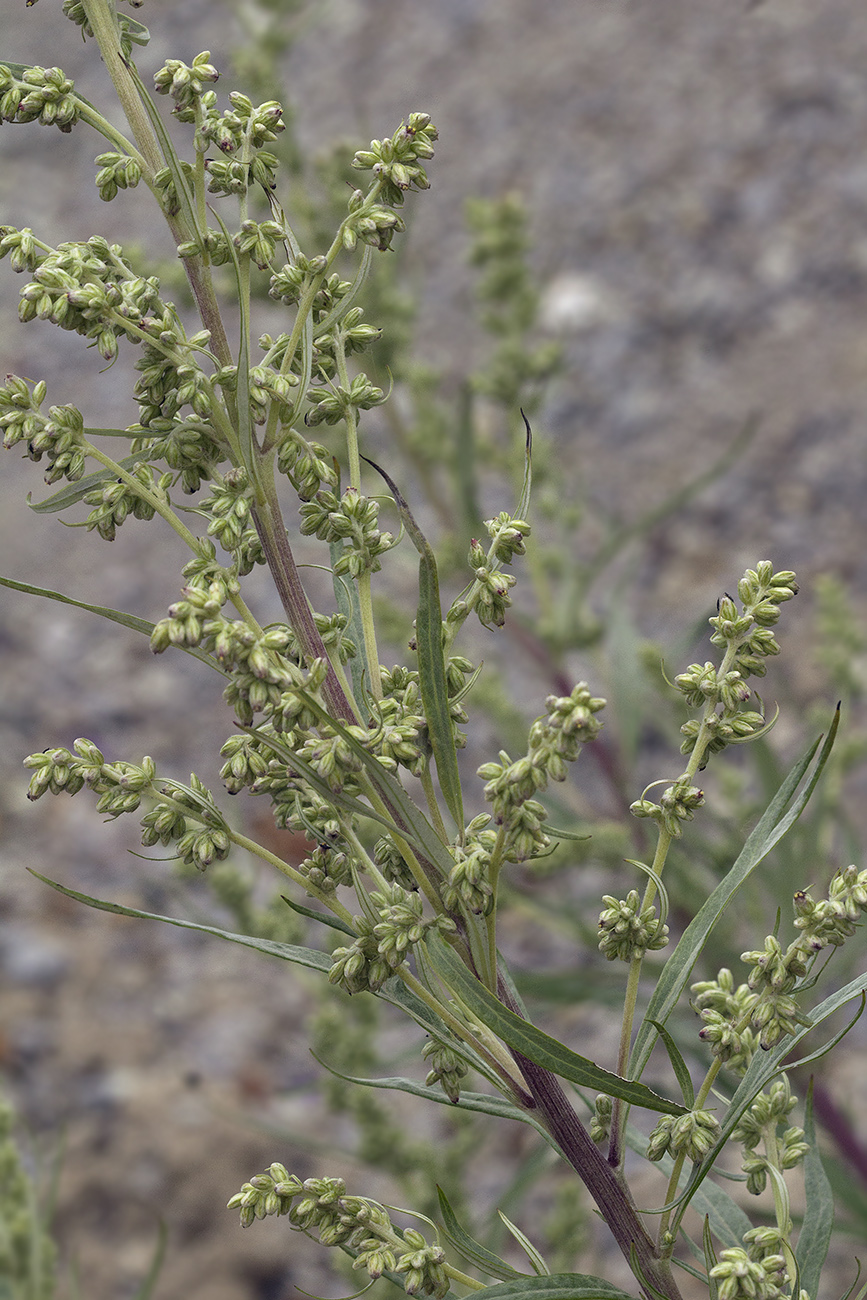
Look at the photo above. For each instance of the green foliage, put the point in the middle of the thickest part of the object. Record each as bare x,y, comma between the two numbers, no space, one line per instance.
408,859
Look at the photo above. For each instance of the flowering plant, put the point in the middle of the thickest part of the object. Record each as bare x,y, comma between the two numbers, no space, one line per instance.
362,760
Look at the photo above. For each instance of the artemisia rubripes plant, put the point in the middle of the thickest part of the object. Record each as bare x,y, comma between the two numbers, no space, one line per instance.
363,759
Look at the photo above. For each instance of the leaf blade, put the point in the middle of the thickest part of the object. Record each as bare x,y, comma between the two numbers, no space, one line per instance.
533,1043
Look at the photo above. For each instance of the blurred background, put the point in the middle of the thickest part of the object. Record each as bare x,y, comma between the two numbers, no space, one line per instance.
691,179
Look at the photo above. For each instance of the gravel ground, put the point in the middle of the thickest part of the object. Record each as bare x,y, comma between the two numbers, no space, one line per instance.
697,181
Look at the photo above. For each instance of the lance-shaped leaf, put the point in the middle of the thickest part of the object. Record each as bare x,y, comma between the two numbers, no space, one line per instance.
431,660
815,1235
131,621
308,957
559,1286
472,1251
533,1043
75,492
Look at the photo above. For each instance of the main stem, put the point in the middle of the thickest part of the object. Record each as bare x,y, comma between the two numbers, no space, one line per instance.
612,1197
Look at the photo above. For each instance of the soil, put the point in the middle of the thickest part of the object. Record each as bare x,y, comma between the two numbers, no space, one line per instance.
697,181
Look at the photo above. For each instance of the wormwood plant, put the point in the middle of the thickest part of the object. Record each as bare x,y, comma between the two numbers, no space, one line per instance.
363,759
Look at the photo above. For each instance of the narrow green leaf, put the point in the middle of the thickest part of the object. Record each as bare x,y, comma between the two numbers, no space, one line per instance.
75,492
524,503
770,829
308,957
242,397
710,1259
481,1103
531,1042
131,621
471,1250
431,659
173,162
334,922
559,1286
348,604
815,1235
678,1064
540,1268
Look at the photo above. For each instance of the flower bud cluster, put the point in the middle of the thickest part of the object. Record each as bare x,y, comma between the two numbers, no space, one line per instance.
738,1277
245,126
59,435
187,85
677,805
490,592
446,1067
382,945
117,171
693,1135
308,465
229,509
331,405
361,1226
392,863
554,740
774,978
600,1124
396,163
832,921
469,884
748,640
351,519
114,501
352,336
258,240
326,868
760,1123
122,786
628,930
44,95
87,287
402,711
726,1012
196,845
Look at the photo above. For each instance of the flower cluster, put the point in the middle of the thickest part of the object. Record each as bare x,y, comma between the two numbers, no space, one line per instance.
676,806
397,167
446,1067
760,1123
747,640
87,287
554,740
121,787
44,95
692,1135
384,940
726,1012
352,521
469,882
361,1226
628,930
832,920
489,594
738,1277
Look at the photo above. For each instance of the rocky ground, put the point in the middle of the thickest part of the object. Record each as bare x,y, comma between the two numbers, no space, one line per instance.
697,179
